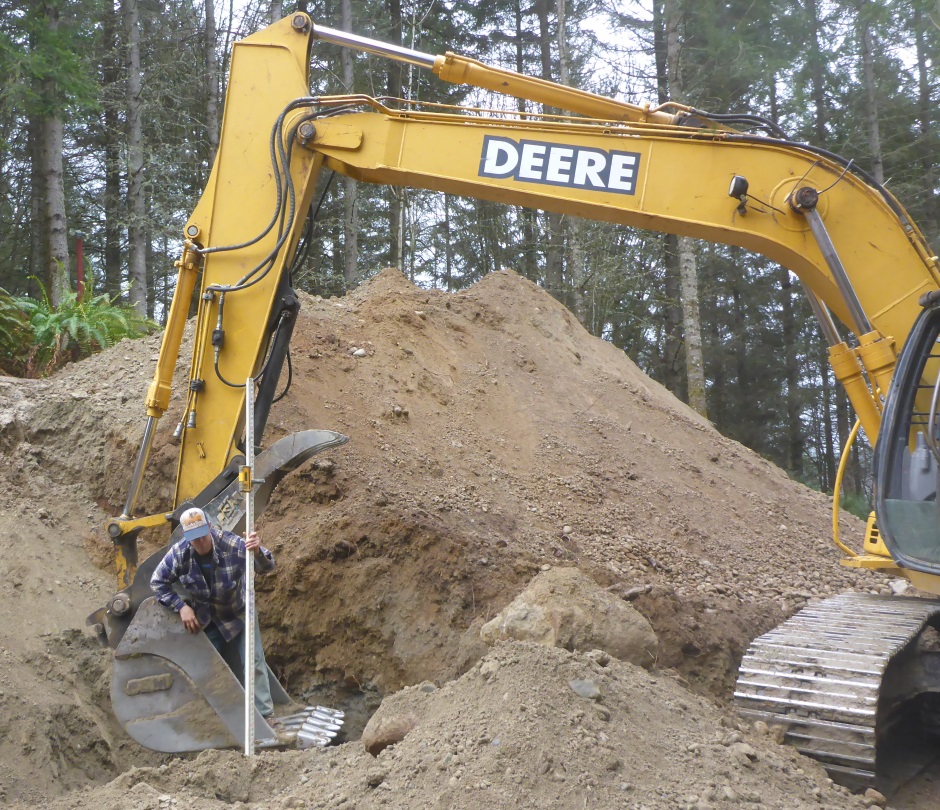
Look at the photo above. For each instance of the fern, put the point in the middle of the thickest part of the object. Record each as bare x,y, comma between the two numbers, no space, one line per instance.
44,337
14,335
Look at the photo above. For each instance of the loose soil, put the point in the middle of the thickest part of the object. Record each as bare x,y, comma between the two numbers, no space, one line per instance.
490,437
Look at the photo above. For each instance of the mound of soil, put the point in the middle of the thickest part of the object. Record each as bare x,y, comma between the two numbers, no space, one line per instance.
491,438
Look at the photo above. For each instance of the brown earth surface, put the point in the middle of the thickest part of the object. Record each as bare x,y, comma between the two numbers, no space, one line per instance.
492,438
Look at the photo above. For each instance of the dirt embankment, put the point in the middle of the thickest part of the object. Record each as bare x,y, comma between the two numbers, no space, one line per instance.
490,437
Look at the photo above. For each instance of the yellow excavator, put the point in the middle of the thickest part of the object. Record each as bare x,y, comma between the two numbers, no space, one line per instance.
841,674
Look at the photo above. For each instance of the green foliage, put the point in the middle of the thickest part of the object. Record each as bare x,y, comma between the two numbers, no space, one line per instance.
14,334
37,338
857,505
44,61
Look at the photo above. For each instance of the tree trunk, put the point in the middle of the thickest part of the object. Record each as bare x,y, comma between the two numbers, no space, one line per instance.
670,371
659,52
691,325
212,82
816,61
851,484
112,159
38,216
50,148
828,467
350,189
925,127
555,243
672,376
277,11
530,265
794,428
448,248
817,74
396,225
871,100
137,201
574,226
688,274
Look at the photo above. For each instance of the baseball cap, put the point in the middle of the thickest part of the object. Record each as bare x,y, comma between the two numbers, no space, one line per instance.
195,523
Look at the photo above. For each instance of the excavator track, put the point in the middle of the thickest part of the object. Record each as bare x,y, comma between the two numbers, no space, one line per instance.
821,674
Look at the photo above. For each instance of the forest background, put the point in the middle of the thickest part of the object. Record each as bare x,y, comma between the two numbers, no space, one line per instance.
109,120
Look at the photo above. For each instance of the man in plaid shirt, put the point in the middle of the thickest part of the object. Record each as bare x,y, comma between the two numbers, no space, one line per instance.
208,565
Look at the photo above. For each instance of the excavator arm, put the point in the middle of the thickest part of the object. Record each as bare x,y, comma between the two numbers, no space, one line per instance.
864,265
170,690
862,261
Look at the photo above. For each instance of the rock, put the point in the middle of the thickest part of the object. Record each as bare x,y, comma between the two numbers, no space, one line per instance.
585,688
471,647
873,798
488,669
384,730
564,607
743,754
599,657
899,586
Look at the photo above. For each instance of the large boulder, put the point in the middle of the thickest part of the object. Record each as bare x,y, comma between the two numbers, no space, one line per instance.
564,607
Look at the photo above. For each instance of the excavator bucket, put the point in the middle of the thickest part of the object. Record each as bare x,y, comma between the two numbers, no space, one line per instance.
173,692
170,689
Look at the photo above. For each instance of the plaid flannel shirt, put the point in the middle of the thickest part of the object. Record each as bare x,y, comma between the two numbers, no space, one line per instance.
224,603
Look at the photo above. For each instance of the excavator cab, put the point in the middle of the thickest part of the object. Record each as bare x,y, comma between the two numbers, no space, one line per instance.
907,457
907,502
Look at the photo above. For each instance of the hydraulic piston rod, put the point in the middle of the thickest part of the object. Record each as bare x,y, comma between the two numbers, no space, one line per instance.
373,46
458,69
804,201
143,457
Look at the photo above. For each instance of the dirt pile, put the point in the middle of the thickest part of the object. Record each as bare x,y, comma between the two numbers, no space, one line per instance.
491,437
512,732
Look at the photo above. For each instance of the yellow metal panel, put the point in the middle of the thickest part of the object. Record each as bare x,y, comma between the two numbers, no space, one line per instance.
269,70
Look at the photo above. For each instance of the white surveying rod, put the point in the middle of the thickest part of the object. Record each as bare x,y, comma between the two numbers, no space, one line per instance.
249,631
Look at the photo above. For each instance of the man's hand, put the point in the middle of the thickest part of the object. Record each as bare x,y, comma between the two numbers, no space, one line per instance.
190,622
253,542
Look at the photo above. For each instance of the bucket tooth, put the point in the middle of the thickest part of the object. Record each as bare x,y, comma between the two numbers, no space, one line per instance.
314,726
310,739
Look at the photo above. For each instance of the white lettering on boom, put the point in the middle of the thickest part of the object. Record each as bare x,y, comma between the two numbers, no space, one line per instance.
587,171
559,164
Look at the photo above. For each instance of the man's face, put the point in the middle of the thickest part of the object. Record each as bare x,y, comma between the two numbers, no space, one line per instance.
202,545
